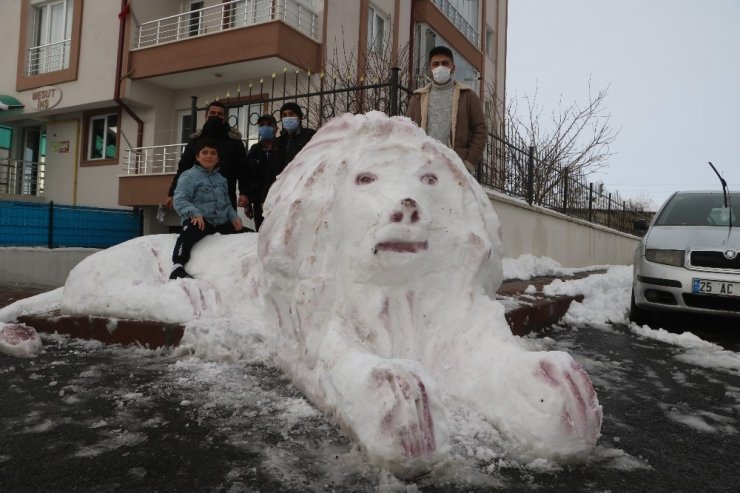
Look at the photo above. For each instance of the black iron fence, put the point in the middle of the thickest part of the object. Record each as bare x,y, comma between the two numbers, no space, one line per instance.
517,170
508,166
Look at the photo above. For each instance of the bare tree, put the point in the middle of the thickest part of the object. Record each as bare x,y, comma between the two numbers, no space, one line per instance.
577,136
642,203
574,141
348,85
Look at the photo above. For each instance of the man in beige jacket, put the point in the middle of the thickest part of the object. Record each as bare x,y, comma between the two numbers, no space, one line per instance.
450,111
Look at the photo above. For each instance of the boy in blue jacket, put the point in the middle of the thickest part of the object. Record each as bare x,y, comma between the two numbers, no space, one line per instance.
202,201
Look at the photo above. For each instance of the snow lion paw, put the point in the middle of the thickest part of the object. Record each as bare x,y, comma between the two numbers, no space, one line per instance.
409,427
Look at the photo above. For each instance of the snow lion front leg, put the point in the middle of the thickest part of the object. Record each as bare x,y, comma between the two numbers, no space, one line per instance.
544,402
390,406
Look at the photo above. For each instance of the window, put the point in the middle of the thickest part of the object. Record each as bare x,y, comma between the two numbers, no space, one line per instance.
489,42
52,37
376,37
6,137
237,13
103,137
185,126
195,18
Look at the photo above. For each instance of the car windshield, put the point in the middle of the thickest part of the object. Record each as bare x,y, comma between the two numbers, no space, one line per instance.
699,209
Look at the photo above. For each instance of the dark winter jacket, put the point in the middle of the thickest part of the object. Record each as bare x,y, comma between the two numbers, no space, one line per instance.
232,162
287,146
262,167
203,193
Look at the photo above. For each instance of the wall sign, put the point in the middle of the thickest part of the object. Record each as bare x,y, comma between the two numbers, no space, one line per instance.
45,98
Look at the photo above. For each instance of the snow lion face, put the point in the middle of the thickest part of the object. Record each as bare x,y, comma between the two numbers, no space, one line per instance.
372,199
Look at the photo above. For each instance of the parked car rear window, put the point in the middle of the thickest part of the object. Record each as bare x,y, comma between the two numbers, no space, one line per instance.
699,209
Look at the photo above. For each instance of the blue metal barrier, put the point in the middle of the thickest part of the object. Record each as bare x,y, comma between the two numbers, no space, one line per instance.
53,225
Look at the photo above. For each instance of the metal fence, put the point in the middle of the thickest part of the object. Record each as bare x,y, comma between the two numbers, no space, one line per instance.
508,166
517,170
21,177
53,225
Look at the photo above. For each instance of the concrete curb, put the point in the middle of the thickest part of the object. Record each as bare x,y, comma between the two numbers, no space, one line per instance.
530,313
541,313
147,333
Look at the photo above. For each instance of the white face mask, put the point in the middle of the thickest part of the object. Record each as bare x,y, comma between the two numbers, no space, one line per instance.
441,74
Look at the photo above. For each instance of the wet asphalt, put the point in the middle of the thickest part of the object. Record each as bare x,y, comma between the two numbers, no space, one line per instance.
87,417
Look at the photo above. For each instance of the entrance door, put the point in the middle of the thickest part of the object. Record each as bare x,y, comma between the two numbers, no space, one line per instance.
34,159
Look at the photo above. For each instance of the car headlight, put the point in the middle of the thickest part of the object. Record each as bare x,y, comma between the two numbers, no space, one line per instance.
668,257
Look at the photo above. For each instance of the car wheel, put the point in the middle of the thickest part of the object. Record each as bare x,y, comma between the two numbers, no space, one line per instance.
638,315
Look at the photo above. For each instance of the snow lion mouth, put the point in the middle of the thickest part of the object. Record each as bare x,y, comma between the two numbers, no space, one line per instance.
401,246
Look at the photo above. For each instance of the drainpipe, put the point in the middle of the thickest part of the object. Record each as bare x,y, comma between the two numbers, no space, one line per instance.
412,30
125,10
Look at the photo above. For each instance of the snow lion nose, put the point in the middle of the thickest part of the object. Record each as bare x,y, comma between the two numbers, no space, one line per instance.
408,213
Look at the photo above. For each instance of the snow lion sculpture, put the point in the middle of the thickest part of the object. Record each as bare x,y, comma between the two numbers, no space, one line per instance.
380,257
376,266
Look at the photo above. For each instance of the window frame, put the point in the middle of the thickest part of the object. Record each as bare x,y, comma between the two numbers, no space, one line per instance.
181,126
88,117
490,43
373,14
27,40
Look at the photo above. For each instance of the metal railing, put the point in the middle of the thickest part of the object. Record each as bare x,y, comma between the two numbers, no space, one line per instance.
459,21
18,177
517,170
153,159
229,15
48,58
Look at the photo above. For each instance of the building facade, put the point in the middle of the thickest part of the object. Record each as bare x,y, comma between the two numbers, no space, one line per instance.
101,94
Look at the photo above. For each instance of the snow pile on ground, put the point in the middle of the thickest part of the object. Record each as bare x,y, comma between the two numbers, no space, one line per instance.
698,351
19,340
527,266
606,297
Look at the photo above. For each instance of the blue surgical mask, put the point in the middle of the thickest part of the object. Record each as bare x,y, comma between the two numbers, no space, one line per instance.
266,132
291,123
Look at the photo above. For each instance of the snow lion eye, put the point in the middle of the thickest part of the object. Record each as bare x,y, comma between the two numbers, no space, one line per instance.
429,179
365,178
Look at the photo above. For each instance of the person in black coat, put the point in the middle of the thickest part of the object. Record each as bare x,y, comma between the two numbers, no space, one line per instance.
263,166
294,135
231,151
269,157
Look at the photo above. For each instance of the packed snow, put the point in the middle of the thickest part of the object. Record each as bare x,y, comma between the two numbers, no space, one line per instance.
356,311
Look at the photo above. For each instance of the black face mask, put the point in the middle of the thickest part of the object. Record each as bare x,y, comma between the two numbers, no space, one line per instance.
215,127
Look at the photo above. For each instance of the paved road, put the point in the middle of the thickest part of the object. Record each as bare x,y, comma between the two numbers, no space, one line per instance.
85,417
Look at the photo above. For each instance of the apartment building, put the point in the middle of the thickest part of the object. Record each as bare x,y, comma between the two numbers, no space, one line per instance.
98,96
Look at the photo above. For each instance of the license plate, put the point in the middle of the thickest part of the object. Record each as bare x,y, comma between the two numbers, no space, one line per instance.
721,288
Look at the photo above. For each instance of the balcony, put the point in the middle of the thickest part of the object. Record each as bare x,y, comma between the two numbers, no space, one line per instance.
459,21
148,174
230,15
48,58
231,36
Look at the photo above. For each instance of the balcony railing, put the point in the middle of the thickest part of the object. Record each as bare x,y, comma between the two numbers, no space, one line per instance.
18,177
459,21
229,15
153,159
48,58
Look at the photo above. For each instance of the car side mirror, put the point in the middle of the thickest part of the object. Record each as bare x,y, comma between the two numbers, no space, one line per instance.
640,226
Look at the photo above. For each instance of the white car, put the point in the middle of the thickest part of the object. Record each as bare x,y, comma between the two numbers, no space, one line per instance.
689,259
